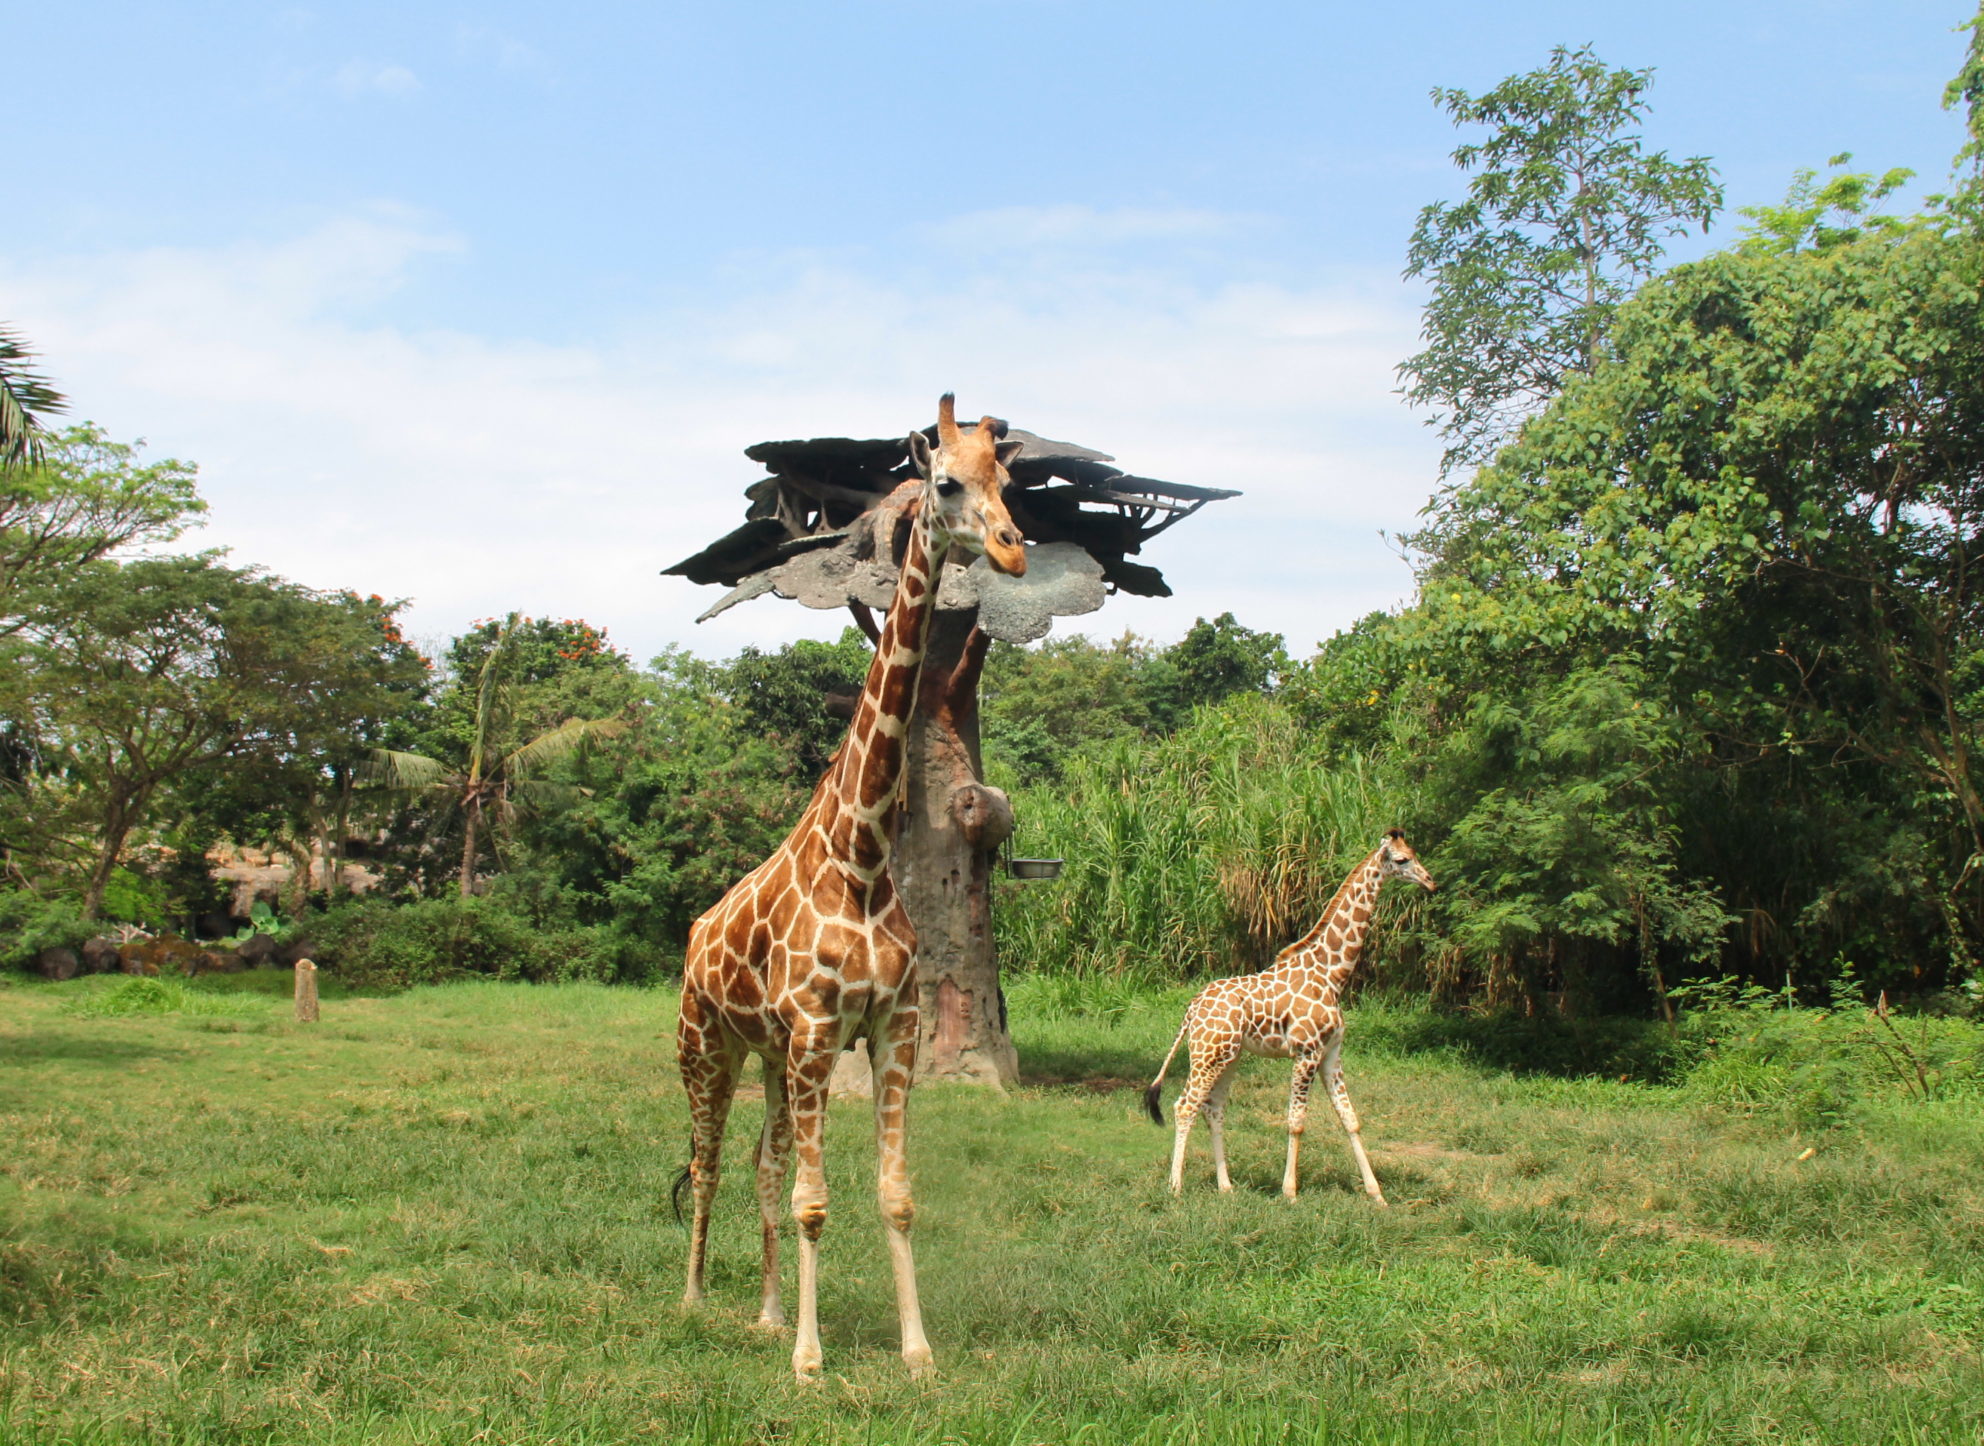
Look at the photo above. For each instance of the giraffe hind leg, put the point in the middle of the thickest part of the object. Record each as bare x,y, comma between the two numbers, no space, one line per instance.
709,1077
1215,1112
1208,1065
808,1068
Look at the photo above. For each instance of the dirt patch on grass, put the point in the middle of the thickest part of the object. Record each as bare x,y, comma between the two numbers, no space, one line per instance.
1094,1084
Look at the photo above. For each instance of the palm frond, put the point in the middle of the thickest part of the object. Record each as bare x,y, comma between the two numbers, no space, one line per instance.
389,768
560,742
25,398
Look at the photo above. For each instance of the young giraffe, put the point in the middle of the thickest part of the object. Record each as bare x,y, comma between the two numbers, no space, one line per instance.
812,950
1288,1009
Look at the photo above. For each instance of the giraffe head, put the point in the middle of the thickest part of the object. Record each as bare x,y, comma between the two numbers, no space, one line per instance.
964,480
1396,860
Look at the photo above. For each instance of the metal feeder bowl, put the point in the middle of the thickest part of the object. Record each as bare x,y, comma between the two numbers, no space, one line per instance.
1034,868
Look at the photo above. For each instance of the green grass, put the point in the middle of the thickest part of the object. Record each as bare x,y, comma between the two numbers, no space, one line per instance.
441,1217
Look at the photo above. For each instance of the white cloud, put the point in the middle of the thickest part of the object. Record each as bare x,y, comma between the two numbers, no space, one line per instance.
504,53
481,473
357,78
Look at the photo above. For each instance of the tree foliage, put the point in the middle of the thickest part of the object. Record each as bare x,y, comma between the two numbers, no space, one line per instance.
84,498
143,674
502,765
1566,213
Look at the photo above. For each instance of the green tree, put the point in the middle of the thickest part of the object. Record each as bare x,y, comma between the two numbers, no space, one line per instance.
26,401
85,497
1769,494
666,817
1039,705
299,799
499,769
1215,660
1565,215
144,674
784,694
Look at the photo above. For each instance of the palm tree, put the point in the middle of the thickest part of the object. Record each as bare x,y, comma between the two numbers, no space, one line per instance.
494,782
25,398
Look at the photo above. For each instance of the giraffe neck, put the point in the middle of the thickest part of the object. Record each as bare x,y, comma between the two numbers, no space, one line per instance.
858,794
1333,946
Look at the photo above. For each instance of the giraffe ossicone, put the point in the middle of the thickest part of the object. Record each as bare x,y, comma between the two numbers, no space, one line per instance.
812,950
1291,1009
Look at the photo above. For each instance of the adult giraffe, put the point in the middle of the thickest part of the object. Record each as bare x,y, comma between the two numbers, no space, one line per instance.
813,950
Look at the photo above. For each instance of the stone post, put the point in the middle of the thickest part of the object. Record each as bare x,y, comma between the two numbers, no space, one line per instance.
306,992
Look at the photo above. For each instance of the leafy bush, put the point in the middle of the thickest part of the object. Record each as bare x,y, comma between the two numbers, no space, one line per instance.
30,924
374,944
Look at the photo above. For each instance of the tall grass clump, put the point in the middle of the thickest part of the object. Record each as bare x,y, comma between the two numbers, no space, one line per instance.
1201,853
141,995
1757,1051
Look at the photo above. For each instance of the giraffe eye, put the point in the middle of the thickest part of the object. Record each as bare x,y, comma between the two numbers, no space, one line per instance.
949,487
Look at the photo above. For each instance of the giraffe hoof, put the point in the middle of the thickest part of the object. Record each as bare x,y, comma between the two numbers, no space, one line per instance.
806,1372
771,1325
922,1365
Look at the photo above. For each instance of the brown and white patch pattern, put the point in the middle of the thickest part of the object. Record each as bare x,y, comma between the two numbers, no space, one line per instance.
1289,1011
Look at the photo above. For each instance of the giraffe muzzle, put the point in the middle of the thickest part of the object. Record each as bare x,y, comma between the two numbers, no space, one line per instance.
1005,551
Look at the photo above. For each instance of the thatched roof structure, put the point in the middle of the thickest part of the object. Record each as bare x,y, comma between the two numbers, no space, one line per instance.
825,529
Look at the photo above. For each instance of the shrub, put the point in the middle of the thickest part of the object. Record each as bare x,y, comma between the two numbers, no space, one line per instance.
1755,1050
375,944
30,924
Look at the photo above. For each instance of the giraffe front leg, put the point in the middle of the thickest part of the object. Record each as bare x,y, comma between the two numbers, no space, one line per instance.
894,1063
1298,1119
807,1072
1340,1097
774,1147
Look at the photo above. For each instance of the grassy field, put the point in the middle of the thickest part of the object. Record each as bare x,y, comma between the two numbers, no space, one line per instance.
441,1217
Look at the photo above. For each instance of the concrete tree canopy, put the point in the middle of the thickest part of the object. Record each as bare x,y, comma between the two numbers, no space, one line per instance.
821,530
826,528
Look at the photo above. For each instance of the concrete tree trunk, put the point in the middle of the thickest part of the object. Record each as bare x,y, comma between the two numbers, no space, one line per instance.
947,843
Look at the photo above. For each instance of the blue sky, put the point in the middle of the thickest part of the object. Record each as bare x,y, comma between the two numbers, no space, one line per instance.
478,303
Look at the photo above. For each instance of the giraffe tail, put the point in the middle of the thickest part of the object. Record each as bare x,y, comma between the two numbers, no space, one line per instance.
1154,1095
675,1195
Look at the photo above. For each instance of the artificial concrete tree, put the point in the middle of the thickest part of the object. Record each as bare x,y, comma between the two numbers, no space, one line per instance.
826,529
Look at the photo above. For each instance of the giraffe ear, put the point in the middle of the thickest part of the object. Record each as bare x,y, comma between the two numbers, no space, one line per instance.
1006,451
919,454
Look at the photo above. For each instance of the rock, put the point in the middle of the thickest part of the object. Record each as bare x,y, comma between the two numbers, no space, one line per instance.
58,962
99,957
180,956
136,957
219,961
286,955
256,952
